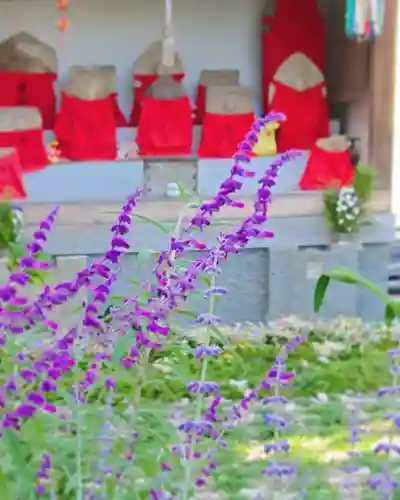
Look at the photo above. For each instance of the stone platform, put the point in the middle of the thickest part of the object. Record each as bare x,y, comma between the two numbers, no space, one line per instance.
269,279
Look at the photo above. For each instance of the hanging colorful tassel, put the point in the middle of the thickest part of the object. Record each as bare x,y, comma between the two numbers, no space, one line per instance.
364,19
350,17
377,17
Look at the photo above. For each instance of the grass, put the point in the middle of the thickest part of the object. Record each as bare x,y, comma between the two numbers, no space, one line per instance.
334,361
319,440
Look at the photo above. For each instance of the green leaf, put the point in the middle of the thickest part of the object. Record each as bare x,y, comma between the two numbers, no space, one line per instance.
185,312
206,280
164,227
15,449
5,493
343,275
364,180
184,194
320,291
390,314
122,346
143,256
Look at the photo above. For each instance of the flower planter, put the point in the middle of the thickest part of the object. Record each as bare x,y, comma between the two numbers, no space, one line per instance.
346,239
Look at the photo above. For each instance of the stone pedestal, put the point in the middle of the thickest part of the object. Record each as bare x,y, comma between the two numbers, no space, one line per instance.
373,264
160,173
295,272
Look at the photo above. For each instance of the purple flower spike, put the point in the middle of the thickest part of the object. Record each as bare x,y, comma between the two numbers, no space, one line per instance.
25,410
216,291
19,278
203,387
110,383
36,398
208,319
207,351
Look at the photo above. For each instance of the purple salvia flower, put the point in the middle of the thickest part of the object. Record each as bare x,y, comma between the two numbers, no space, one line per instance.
210,351
203,387
43,475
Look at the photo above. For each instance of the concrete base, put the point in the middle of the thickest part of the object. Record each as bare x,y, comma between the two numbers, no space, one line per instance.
294,274
267,282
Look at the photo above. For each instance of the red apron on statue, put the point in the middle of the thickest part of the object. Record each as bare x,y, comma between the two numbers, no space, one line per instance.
307,116
165,127
221,134
200,103
10,88
11,183
120,120
141,84
30,89
29,146
296,26
39,93
86,130
326,169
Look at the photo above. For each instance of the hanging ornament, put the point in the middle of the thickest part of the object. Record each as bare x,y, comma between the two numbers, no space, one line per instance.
62,22
364,19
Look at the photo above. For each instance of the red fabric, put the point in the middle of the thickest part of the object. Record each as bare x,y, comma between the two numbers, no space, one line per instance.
11,183
120,119
296,26
307,116
326,169
39,92
10,88
86,130
30,89
29,145
165,127
141,84
200,103
221,134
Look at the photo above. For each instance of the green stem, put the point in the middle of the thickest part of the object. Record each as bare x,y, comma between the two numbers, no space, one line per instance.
79,476
136,401
78,354
203,376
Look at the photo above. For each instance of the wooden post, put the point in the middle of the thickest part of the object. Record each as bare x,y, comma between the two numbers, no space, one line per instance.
382,85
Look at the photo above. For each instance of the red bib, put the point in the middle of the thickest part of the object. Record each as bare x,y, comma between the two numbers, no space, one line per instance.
307,116
141,83
200,103
30,89
11,183
120,120
326,169
30,147
296,26
165,127
221,134
86,130
39,93
10,88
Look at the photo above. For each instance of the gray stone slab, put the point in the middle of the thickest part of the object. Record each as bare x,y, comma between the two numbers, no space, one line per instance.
159,173
293,277
373,264
290,233
244,275
88,181
213,172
